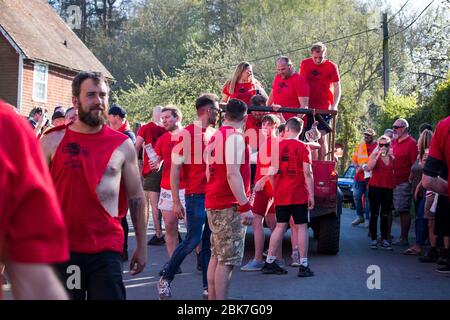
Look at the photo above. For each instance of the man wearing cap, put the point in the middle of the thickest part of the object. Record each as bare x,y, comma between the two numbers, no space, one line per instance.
360,157
117,119
58,116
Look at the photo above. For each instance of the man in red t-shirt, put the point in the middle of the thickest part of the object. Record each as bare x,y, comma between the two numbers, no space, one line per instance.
32,231
289,88
148,135
188,155
292,180
322,75
171,120
95,172
227,198
438,157
405,153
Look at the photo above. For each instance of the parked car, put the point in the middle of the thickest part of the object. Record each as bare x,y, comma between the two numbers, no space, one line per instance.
345,183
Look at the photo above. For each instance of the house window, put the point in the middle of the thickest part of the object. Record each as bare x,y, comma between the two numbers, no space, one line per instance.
40,80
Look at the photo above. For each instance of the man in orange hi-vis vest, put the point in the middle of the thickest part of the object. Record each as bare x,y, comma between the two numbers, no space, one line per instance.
360,158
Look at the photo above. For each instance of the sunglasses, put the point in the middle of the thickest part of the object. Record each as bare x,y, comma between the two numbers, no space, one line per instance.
384,145
397,127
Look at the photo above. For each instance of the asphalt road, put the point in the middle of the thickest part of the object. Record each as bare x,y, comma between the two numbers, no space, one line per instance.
343,276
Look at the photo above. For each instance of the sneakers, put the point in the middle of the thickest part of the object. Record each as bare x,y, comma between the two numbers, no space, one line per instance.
273,268
304,272
442,261
164,289
155,241
400,242
366,224
265,253
374,244
295,259
431,256
444,269
253,265
357,221
386,245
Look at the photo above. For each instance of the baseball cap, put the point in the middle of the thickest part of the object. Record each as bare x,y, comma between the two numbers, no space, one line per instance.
59,113
117,110
370,132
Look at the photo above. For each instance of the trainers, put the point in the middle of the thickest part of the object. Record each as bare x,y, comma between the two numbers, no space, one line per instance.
273,268
444,269
265,253
386,245
295,259
357,221
253,265
164,289
400,242
156,241
431,256
442,261
374,244
304,272
280,263
366,223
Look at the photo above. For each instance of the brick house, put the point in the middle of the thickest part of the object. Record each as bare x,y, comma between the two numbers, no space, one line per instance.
39,56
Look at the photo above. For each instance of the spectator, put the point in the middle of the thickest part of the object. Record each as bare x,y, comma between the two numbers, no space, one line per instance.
37,120
405,153
360,158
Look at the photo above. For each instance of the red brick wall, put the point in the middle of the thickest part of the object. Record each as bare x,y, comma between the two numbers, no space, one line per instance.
59,88
9,71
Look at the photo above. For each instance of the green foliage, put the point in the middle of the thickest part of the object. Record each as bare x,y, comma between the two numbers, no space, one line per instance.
439,105
395,107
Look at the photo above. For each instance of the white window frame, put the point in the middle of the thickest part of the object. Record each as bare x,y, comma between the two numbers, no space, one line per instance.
45,82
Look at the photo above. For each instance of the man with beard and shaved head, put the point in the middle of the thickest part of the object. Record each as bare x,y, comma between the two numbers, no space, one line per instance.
95,170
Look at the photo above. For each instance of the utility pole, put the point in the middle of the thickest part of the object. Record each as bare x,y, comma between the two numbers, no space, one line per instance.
385,55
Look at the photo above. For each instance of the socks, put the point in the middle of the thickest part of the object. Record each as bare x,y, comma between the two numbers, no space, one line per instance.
304,262
270,259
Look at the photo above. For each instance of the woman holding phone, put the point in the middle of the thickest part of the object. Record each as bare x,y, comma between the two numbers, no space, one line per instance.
381,186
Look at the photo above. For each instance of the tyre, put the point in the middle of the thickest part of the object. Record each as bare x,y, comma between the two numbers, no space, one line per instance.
328,237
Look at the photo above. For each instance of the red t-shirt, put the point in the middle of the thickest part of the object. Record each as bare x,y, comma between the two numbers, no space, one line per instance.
405,153
242,91
290,185
320,77
253,131
150,133
263,161
286,92
383,174
163,149
440,144
218,193
32,228
194,163
77,168
359,176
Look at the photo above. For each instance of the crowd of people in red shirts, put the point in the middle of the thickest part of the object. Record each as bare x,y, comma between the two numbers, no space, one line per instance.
71,199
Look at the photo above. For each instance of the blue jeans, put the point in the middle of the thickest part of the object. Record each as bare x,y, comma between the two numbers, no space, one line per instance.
360,188
421,223
195,219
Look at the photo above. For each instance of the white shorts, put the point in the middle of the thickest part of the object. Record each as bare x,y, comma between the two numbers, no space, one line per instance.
166,202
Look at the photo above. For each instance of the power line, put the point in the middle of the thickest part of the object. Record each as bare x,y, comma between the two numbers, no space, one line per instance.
398,11
412,22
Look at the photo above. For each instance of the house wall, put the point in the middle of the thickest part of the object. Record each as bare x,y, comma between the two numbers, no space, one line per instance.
59,88
9,71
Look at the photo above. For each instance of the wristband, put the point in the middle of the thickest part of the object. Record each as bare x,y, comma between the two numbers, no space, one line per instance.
244,208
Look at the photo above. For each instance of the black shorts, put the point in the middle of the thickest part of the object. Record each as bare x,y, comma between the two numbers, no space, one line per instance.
298,211
100,276
442,217
152,181
320,126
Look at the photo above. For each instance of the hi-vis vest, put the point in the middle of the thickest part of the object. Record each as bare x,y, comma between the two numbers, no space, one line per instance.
360,155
